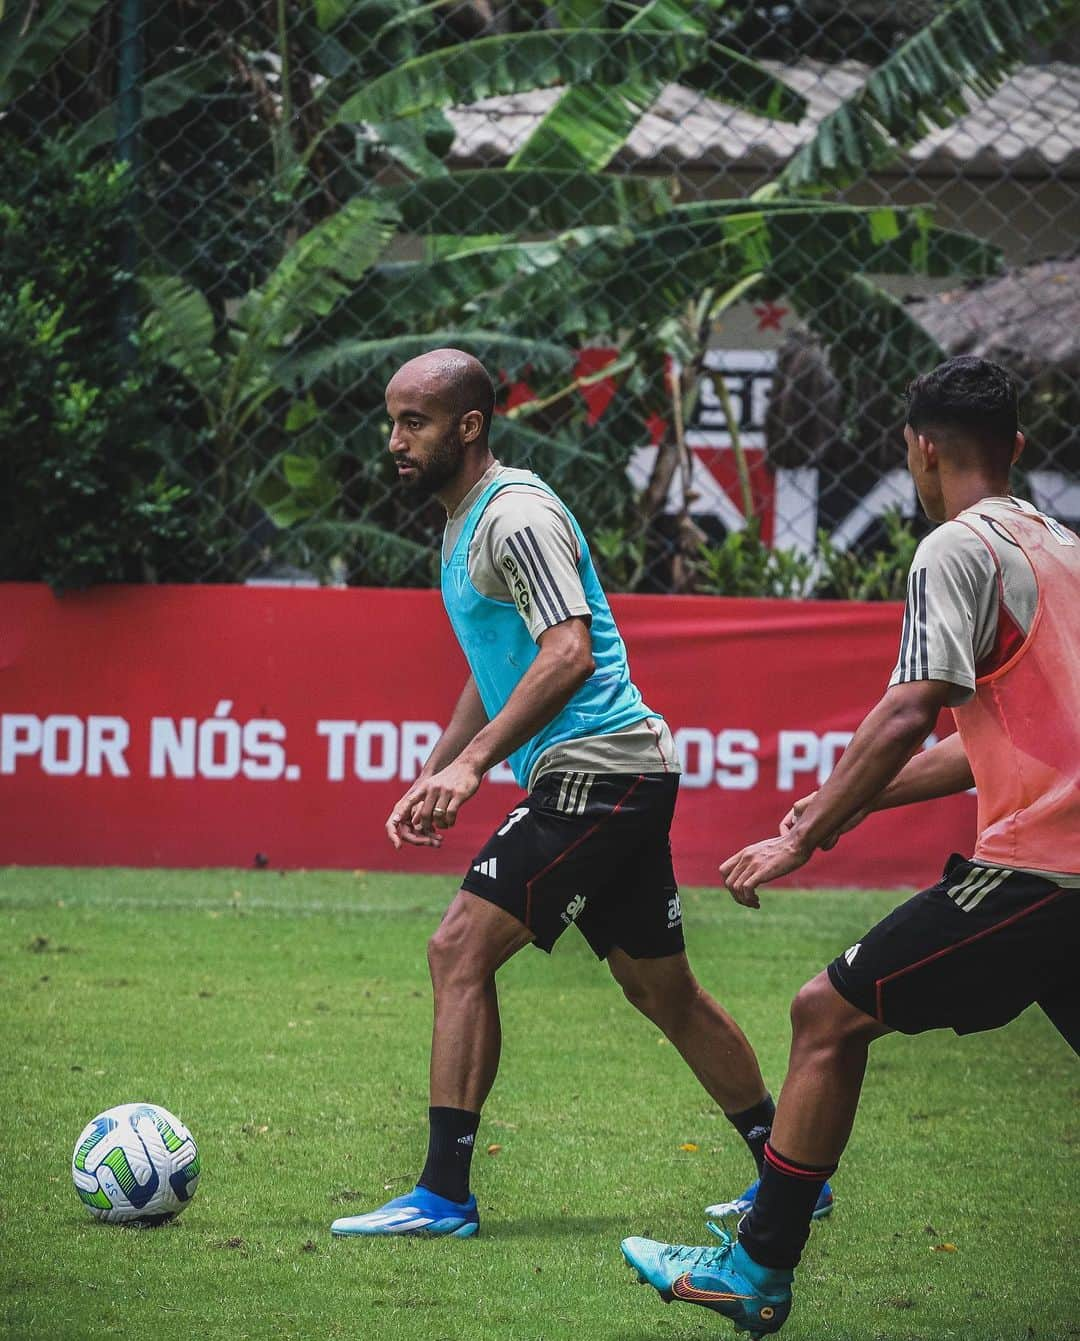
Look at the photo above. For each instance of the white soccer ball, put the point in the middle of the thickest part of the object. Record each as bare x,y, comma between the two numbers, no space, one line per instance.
135,1164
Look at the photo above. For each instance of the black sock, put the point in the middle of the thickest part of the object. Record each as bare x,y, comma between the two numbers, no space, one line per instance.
450,1149
754,1125
775,1230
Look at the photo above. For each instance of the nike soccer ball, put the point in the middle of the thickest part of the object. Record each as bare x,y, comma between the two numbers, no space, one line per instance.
135,1164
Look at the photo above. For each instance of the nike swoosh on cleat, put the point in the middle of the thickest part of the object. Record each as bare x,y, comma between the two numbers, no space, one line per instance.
682,1289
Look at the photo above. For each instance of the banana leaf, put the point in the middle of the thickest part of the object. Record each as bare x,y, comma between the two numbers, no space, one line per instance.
969,47
33,36
372,361
515,62
490,200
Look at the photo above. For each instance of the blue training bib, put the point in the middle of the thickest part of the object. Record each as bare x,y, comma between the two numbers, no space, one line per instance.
499,648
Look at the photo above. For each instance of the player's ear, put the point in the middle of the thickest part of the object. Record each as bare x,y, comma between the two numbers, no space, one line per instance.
928,451
471,426
1018,447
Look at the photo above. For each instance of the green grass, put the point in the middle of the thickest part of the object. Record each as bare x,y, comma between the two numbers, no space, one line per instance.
286,1020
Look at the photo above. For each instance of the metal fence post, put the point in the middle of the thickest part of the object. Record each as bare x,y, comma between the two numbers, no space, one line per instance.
128,146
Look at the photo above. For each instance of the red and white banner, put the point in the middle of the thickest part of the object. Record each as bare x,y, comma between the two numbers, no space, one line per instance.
232,726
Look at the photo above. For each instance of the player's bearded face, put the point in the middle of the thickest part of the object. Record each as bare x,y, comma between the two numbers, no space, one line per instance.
434,464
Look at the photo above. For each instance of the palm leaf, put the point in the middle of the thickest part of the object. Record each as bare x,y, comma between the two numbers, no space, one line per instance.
33,36
180,329
409,138
412,295
375,360
318,270
160,97
580,13
971,46
588,125
511,63
365,13
491,200
616,279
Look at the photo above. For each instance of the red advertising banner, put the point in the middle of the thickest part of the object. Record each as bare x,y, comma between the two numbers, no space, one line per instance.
232,726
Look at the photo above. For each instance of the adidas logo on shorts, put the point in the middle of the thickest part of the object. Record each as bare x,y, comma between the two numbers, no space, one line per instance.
487,867
573,909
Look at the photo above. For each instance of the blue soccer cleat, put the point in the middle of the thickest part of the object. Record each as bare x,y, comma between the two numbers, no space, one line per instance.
742,1204
726,1279
419,1212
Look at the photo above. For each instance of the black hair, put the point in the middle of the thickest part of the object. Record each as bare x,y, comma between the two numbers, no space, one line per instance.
968,396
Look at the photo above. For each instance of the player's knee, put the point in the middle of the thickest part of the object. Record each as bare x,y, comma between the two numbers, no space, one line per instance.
458,959
639,995
820,1016
663,1000
449,958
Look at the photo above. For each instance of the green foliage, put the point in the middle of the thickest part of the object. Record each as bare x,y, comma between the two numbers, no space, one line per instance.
743,565
604,57
881,576
306,235
590,123
85,494
970,45
872,339
619,554
613,279
486,201
32,35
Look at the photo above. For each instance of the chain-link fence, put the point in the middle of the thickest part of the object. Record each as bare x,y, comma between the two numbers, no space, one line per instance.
702,245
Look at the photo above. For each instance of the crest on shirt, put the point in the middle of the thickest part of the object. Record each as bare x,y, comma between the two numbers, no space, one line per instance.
519,588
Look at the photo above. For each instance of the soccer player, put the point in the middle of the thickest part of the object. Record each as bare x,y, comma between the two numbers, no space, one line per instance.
991,630
550,691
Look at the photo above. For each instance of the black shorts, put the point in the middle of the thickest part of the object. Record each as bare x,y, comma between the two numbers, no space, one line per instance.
591,850
969,954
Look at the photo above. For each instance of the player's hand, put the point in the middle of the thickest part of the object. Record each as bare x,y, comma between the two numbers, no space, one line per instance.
795,814
432,803
760,863
399,829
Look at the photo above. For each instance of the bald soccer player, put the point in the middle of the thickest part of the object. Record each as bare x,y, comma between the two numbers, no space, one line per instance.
549,691
992,630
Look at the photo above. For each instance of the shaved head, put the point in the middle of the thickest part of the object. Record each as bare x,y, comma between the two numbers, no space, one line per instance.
441,406
457,380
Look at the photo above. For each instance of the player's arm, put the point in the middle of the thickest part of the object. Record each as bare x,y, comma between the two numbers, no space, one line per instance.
528,556
943,770
885,740
562,665
948,616
467,719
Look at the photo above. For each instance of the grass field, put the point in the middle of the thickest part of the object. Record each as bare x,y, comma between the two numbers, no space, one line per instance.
285,1018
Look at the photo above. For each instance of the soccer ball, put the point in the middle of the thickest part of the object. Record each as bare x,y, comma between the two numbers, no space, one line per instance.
135,1164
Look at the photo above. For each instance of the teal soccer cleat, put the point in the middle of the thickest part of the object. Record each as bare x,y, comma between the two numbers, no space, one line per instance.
419,1212
742,1204
726,1279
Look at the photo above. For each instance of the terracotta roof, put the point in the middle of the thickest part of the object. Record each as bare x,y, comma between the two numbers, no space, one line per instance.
1031,124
